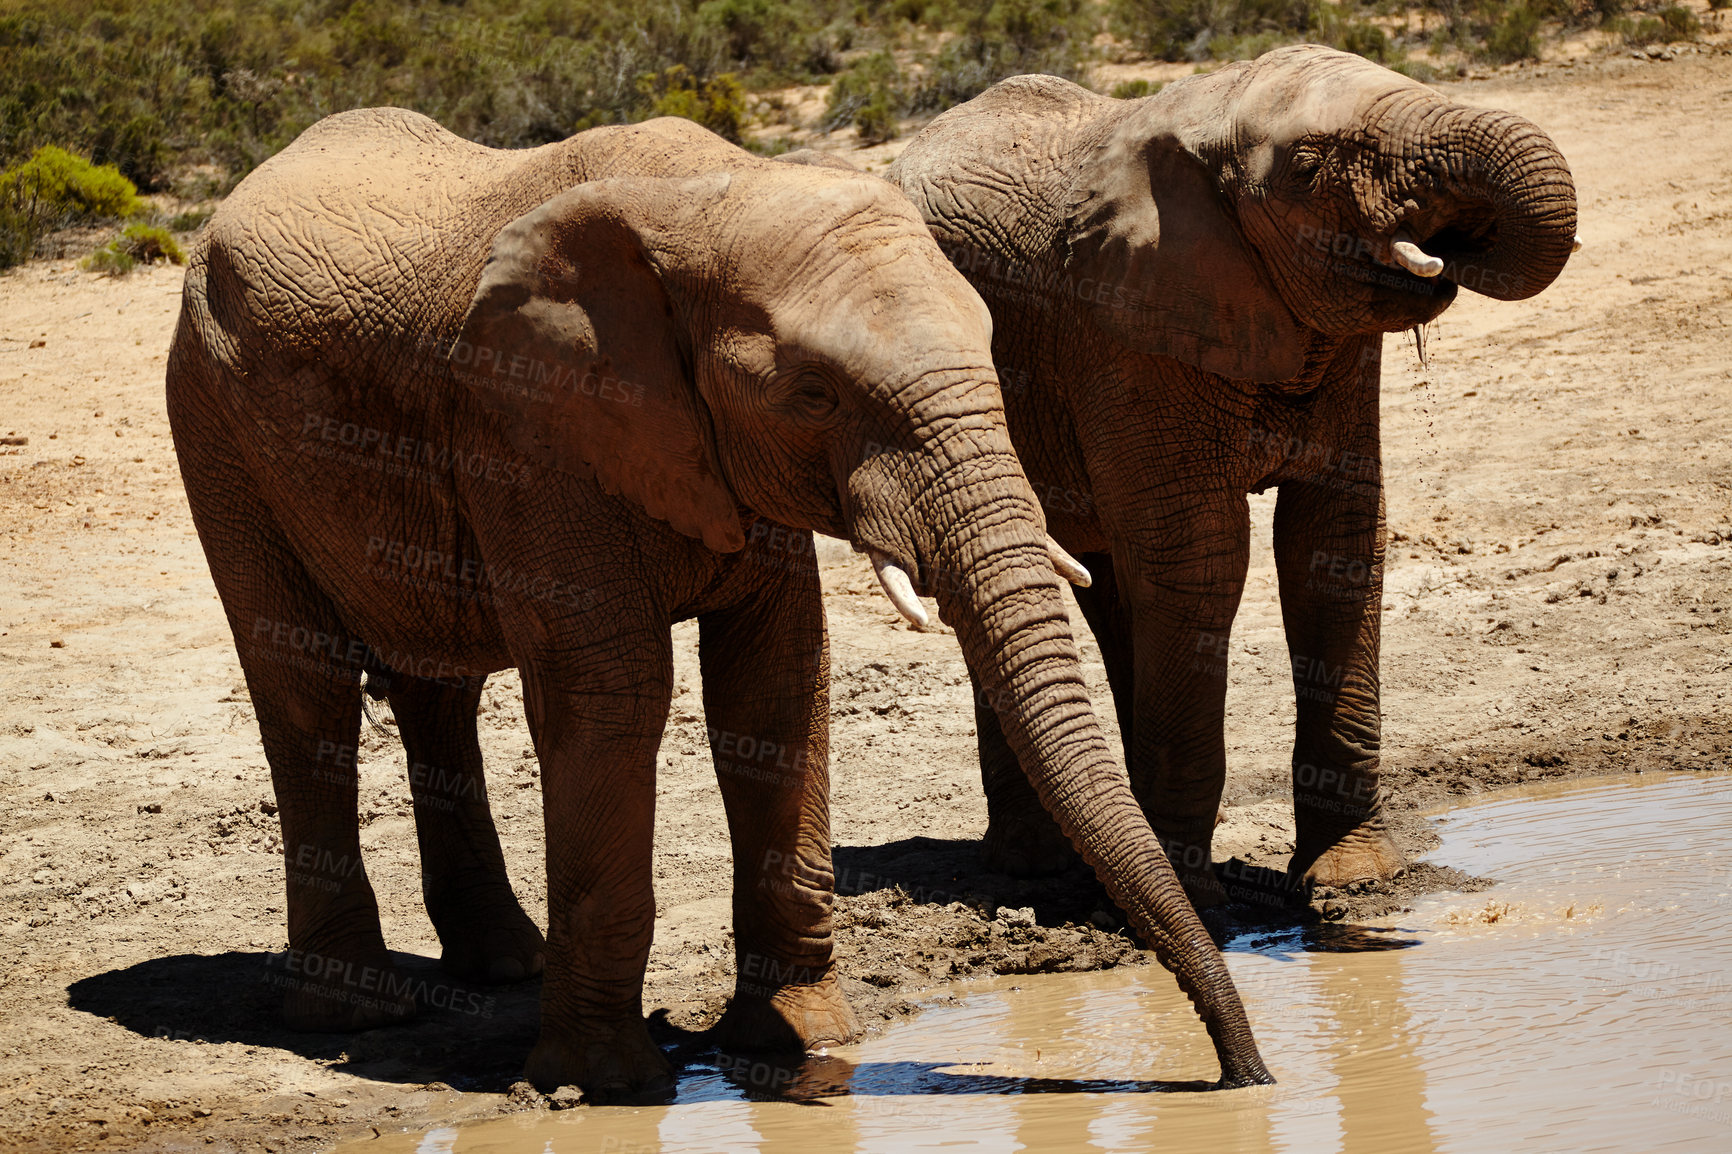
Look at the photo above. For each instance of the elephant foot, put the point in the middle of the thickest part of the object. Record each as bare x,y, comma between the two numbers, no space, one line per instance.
1363,854
613,1064
792,1019
486,935
328,993
1026,848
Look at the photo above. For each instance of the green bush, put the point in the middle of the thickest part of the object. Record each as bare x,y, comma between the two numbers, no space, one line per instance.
135,245
1008,38
54,189
1668,24
719,104
1134,89
1515,36
58,186
867,97
190,221
1680,21
1189,29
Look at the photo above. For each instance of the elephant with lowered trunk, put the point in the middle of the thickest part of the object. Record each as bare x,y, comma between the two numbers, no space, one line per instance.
1189,293
443,410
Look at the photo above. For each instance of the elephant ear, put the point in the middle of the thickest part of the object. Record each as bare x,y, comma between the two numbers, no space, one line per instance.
573,338
1170,272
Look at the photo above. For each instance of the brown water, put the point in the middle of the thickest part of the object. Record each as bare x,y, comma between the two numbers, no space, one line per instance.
1583,1004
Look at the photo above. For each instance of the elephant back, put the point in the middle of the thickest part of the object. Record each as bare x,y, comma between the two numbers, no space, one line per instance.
993,174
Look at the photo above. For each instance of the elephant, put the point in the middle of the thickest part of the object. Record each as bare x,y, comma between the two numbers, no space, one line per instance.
443,410
1189,292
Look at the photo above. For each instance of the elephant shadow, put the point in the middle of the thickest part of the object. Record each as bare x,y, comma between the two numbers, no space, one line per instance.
473,1038
469,1036
1267,909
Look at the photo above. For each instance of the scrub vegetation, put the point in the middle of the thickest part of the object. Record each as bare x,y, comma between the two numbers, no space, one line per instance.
188,96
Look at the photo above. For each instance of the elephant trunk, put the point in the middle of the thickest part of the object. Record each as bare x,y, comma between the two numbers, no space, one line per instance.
1515,222
996,588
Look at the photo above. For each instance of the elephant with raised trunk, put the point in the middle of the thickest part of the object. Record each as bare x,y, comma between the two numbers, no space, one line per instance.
1189,293
443,410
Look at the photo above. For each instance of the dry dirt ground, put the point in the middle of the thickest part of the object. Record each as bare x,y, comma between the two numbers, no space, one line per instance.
1560,492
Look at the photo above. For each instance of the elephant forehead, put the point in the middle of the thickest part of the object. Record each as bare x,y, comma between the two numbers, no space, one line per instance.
1290,94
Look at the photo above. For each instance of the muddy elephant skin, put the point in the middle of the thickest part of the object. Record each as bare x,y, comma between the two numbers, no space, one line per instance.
1189,293
443,410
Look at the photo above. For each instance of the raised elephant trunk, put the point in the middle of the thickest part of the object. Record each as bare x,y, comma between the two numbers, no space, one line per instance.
996,588
1514,223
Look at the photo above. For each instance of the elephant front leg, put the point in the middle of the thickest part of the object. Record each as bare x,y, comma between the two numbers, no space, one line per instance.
1329,544
484,931
766,677
596,713
1183,584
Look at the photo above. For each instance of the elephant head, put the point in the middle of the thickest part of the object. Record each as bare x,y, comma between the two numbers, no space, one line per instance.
790,341
1306,192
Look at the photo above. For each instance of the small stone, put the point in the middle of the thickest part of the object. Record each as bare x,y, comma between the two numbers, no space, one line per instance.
565,1098
523,1095
57,643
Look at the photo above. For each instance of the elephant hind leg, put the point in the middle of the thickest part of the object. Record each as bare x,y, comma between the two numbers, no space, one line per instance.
484,931
303,669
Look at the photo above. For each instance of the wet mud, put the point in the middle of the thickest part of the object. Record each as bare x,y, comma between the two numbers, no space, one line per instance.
1580,1005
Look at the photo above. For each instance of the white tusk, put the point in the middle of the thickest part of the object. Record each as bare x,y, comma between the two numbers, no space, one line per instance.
898,588
1576,245
1415,259
1067,566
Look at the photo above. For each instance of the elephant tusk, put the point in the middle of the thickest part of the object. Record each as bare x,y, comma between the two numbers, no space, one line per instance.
1576,245
1415,259
898,588
1067,566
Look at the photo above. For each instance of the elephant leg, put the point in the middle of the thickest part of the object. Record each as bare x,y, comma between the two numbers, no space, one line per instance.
1329,542
1022,839
1183,583
1109,618
484,931
766,671
303,670
597,704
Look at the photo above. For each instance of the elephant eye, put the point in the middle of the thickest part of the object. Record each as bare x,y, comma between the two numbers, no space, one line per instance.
1306,167
806,395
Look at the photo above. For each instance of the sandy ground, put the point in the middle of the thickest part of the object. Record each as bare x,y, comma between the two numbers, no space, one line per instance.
1560,489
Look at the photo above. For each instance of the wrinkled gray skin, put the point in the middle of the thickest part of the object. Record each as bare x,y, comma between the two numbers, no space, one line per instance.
443,410
1189,293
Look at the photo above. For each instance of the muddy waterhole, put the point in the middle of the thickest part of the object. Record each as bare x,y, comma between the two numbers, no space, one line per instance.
1580,1005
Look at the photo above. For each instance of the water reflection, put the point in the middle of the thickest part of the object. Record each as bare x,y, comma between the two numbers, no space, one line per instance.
1581,1004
